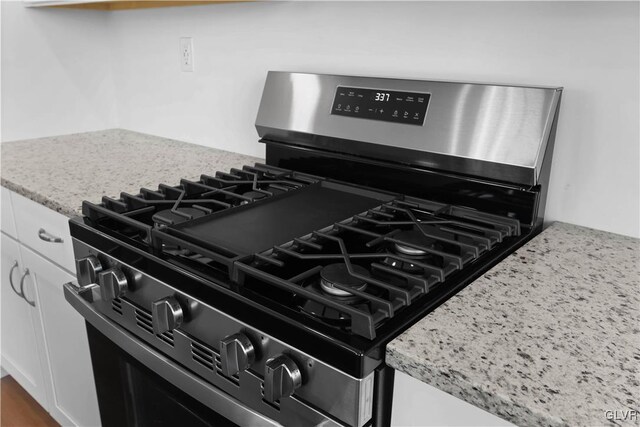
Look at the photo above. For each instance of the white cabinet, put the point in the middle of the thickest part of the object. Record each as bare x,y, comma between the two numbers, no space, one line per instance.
22,339
44,340
418,404
6,213
73,400
43,230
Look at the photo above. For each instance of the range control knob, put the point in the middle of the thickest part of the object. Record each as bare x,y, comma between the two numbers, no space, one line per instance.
281,378
236,354
166,315
113,284
87,270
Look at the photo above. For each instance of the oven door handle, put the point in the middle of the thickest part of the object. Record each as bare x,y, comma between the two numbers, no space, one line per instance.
191,384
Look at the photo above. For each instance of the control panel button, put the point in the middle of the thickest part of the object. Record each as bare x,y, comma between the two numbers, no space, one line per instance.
236,354
113,284
281,378
166,315
87,270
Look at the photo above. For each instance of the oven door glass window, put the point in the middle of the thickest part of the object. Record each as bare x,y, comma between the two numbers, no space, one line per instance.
129,394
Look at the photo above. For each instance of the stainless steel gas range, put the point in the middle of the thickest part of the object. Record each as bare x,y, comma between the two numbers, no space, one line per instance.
266,294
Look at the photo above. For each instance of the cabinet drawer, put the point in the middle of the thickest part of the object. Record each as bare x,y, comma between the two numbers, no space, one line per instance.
43,230
8,222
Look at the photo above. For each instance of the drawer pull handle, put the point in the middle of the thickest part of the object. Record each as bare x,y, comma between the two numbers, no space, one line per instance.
24,276
15,265
43,235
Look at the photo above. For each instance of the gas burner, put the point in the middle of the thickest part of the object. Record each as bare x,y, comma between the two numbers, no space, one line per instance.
328,314
410,253
254,195
176,216
412,237
338,274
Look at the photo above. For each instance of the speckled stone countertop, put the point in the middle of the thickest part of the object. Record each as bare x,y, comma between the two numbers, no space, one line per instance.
62,171
549,336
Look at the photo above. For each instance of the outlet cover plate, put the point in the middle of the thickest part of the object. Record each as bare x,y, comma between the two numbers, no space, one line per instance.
186,54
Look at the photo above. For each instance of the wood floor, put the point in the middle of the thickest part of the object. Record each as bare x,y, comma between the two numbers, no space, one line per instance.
18,409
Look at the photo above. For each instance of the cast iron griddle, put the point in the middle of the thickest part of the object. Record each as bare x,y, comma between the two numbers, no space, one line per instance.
277,220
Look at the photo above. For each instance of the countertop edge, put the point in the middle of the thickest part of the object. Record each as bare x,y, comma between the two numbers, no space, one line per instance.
39,198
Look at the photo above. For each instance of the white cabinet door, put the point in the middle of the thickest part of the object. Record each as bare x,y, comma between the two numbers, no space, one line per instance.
8,224
74,400
22,340
419,404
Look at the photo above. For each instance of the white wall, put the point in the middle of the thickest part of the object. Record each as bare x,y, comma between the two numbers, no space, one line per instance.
591,49
56,76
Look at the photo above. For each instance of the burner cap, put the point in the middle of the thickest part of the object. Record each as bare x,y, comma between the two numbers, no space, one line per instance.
254,195
415,238
339,275
167,217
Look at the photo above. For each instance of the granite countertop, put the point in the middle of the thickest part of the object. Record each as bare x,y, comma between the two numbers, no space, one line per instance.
549,336
61,171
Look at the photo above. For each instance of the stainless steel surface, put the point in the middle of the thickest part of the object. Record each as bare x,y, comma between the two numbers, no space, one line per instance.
188,382
87,291
113,284
281,378
236,354
22,282
196,346
87,270
13,267
43,235
166,315
490,131
408,250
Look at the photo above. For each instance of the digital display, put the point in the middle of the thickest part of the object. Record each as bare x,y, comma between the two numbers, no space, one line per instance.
378,104
380,96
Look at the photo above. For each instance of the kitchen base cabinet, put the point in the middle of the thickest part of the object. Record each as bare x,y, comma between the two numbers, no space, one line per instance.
7,222
73,395
418,404
22,337
44,340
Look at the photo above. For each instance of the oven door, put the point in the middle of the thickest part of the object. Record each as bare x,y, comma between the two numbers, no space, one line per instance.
138,386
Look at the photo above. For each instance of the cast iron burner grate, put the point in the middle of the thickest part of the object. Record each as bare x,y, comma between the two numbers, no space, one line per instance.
255,225
135,216
401,249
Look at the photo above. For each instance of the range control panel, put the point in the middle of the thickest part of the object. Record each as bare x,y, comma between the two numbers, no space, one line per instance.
379,104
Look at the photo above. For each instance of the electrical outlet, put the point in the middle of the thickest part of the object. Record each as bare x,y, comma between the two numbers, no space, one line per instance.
186,54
